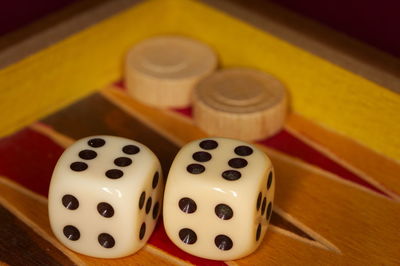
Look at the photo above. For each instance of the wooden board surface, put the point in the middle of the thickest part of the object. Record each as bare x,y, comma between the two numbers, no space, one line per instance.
331,209
355,81
337,200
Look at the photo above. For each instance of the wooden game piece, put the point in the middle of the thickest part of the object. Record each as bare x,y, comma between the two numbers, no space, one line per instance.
240,103
162,71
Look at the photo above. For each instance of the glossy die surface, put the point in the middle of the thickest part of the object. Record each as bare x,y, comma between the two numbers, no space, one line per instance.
218,198
105,196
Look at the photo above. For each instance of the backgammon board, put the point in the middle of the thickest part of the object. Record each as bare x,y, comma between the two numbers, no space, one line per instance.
336,160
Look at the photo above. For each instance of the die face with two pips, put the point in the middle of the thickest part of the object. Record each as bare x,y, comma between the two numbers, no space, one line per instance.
218,198
105,196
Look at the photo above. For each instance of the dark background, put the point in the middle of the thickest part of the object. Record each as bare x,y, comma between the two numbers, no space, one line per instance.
371,21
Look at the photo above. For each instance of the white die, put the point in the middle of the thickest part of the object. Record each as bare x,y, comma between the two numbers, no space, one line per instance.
105,196
218,198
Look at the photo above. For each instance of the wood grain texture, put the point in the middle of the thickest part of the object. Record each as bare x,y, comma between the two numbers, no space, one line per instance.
302,72
62,140
347,103
55,27
107,118
66,141
96,116
360,227
345,223
20,245
349,224
79,111
36,152
294,28
32,210
318,39
289,144
284,141
376,168
158,119
60,71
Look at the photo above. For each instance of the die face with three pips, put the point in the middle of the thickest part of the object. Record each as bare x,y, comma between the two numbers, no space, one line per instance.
105,196
218,198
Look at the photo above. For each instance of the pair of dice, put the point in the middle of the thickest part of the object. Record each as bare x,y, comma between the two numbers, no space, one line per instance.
106,195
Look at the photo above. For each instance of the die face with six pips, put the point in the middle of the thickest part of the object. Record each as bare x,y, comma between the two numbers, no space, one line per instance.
218,198
105,196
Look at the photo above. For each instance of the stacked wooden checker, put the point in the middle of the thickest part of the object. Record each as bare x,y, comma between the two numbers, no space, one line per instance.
162,71
240,103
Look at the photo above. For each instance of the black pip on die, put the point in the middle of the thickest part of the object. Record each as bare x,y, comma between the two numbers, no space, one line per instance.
105,196
218,198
